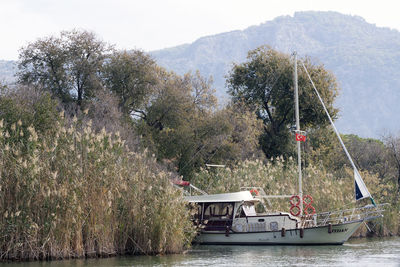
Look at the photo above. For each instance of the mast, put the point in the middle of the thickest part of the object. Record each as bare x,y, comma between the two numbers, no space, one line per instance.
296,101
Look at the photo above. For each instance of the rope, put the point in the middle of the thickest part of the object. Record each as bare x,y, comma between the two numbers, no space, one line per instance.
337,134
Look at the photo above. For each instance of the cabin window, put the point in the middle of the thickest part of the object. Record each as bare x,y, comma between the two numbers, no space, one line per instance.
260,208
249,210
222,210
246,210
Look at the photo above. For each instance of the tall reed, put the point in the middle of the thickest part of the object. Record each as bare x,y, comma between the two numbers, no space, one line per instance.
76,193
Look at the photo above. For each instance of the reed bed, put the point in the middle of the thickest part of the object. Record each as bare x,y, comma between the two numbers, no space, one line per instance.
78,193
329,192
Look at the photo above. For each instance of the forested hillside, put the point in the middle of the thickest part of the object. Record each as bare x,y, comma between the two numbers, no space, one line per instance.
364,58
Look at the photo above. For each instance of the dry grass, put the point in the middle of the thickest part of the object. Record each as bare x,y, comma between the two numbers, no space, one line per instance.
78,193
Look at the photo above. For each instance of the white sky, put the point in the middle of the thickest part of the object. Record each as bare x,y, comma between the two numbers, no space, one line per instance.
157,24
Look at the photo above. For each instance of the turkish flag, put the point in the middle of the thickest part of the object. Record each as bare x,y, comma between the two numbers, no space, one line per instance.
300,137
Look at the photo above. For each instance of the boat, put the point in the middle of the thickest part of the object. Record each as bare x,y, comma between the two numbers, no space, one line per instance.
231,219
241,218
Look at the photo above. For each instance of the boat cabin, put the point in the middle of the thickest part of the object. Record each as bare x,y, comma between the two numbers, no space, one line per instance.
237,212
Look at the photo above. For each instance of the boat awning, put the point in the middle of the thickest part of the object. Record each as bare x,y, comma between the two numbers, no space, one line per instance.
227,197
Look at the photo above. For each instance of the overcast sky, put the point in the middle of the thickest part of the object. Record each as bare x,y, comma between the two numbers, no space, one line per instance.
157,24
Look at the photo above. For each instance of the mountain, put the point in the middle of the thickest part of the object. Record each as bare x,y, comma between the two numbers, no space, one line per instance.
364,58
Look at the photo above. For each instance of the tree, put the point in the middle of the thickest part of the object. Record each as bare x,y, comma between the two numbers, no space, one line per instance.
243,134
131,76
25,106
265,83
183,126
368,154
393,145
68,66
172,120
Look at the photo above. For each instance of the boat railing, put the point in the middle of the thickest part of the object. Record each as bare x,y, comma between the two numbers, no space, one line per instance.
332,217
342,216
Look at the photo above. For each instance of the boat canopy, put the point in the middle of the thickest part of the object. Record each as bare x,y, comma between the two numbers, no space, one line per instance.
228,197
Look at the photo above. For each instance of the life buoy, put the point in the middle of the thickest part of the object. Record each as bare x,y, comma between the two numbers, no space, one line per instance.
298,200
309,198
312,209
295,205
255,191
298,210
308,205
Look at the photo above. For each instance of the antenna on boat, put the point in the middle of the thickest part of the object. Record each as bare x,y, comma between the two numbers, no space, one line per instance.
296,101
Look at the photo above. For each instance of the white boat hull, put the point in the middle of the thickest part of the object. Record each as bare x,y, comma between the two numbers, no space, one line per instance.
311,236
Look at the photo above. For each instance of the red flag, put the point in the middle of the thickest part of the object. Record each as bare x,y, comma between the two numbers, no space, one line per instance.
300,137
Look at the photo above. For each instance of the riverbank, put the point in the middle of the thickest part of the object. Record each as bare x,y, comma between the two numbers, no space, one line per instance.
71,192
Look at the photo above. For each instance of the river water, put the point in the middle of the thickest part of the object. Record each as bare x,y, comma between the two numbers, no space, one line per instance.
358,252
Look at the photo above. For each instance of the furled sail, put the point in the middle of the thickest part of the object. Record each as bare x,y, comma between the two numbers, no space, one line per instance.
361,190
